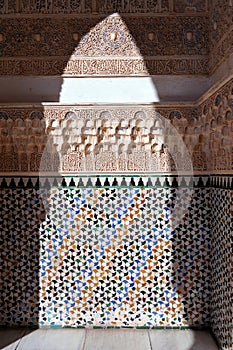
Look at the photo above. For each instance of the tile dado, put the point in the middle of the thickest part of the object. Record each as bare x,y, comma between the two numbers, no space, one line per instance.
102,181
112,256
155,181
222,265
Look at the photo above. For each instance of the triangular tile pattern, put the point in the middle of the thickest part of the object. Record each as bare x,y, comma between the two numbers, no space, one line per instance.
134,247
109,181
124,243
113,236
217,181
21,215
221,260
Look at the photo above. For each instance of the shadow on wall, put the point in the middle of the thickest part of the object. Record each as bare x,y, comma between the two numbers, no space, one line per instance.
21,236
181,270
53,88
129,38
22,214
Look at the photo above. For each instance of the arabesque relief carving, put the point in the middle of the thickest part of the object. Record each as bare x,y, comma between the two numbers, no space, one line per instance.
109,45
78,139
104,67
170,42
221,32
100,6
22,142
108,144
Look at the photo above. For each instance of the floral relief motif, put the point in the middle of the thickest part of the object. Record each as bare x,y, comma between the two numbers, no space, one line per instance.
100,6
181,6
203,34
104,46
120,136
221,31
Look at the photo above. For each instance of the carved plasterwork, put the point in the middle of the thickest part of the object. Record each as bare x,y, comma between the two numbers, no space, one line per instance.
104,67
104,46
78,37
111,36
155,36
54,7
114,141
221,32
57,113
119,138
207,129
216,116
221,19
92,139
221,51
182,6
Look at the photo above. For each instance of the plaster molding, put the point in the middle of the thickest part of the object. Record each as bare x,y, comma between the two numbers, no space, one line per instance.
87,7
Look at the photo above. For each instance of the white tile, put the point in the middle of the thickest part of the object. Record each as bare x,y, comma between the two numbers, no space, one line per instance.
53,339
181,340
117,339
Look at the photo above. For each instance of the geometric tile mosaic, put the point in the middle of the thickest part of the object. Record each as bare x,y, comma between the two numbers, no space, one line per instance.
111,256
117,251
21,215
222,266
125,257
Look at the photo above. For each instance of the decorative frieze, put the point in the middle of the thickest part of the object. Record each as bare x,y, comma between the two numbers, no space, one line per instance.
187,6
221,32
83,139
149,41
217,123
221,51
123,138
104,46
78,7
113,181
104,67
104,36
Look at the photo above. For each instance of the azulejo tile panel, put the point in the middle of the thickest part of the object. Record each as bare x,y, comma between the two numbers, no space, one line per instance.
221,266
121,261
21,214
109,256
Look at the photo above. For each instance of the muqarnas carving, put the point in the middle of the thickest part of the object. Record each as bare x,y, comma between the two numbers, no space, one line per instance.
110,144
22,142
120,138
